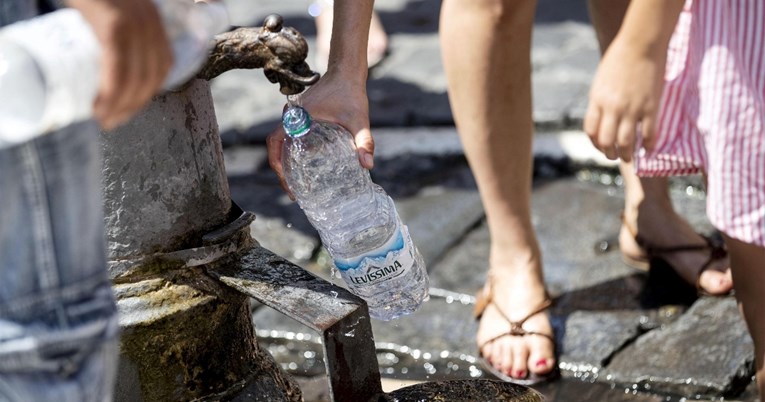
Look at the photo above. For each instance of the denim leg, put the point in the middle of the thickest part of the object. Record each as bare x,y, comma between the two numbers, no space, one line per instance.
58,320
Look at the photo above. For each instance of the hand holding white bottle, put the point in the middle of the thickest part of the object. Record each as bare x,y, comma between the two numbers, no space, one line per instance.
50,65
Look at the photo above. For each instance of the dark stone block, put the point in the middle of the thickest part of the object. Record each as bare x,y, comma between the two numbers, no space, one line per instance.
589,339
706,352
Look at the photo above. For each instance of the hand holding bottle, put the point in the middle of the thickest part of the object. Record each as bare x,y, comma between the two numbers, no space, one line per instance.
135,58
338,99
105,62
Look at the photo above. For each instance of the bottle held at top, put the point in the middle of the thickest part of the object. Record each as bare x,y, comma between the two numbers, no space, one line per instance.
356,220
49,65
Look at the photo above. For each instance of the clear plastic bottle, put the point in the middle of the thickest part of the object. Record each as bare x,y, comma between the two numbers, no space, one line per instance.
357,221
49,65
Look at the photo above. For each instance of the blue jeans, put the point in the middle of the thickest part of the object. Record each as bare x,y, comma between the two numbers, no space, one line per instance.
58,318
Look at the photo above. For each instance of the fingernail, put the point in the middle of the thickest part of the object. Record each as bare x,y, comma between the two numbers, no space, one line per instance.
368,160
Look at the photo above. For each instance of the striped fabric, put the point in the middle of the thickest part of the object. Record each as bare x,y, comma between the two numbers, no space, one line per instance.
712,118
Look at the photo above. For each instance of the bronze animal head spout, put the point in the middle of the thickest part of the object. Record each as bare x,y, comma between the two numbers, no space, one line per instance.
280,51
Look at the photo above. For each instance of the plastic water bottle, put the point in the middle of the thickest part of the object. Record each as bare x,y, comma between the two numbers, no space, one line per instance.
356,219
49,65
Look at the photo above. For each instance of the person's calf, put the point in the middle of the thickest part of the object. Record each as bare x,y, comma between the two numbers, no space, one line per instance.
748,268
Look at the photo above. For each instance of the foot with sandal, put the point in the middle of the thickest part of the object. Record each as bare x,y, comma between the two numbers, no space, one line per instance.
515,339
651,229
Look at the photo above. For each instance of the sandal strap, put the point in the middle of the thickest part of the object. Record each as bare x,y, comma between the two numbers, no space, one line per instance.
716,250
516,327
523,332
655,251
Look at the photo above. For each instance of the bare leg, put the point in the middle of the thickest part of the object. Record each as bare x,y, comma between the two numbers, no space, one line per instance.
376,47
486,51
648,206
748,265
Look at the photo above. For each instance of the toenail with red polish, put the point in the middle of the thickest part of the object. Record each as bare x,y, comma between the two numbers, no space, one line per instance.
520,374
542,363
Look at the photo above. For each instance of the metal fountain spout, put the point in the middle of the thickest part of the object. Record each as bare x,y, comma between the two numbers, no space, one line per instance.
280,51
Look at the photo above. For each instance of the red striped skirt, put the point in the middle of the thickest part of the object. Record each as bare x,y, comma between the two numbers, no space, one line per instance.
712,118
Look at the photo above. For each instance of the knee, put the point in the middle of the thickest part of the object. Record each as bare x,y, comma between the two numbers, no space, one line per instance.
510,13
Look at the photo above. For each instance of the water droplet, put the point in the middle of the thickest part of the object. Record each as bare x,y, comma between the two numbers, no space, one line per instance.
294,100
289,225
429,368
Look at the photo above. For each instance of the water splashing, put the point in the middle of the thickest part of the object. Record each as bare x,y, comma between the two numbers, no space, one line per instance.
295,100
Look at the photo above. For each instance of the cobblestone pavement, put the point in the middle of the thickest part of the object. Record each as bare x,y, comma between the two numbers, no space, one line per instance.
622,335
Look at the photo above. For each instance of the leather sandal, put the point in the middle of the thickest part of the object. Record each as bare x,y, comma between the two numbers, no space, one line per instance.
483,299
715,248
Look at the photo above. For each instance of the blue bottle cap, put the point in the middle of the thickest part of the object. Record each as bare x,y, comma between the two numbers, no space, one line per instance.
296,121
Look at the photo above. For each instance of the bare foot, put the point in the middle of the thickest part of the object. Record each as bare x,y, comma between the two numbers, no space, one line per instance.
516,293
663,228
377,47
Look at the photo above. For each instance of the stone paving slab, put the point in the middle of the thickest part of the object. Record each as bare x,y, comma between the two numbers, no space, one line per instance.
706,352
448,212
590,339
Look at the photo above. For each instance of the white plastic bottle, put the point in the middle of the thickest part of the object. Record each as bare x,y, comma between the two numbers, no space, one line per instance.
49,65
356,219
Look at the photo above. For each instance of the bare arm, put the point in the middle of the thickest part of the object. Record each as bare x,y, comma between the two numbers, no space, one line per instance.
341,95
626,91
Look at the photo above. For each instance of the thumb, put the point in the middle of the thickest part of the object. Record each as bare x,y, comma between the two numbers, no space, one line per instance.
365,146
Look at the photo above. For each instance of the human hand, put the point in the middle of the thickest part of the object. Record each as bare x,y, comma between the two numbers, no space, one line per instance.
135,59
337,100
625,95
